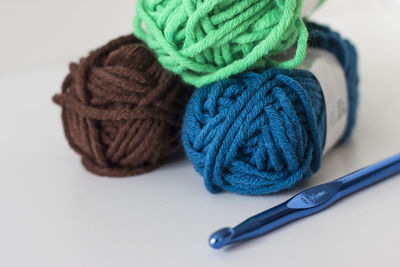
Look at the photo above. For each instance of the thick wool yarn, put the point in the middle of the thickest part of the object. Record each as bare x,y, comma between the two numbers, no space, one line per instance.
207,41
263,133
122,112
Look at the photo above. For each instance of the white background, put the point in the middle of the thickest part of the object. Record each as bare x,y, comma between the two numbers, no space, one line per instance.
54,213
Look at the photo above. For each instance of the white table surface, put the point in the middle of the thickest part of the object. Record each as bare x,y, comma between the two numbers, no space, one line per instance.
55,213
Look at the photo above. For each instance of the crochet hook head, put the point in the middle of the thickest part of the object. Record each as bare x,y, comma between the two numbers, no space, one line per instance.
221,237
305,203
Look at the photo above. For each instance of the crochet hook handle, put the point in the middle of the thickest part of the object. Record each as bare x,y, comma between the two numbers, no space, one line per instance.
306,203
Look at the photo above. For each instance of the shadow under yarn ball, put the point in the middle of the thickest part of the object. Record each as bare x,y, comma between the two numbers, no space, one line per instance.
121,111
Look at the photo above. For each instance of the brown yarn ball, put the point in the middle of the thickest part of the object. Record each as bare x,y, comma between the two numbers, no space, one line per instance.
121,111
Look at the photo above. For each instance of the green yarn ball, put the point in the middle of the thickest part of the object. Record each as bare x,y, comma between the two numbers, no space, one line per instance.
209,40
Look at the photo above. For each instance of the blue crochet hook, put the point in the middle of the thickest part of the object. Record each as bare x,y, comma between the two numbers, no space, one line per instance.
306,203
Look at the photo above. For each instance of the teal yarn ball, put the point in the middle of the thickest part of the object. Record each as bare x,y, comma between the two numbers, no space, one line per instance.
207,41
260,133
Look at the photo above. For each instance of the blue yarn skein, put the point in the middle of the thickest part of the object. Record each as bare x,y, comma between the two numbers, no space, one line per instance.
263,133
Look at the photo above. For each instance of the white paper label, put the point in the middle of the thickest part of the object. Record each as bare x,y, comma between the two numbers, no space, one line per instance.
308,7
330,75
